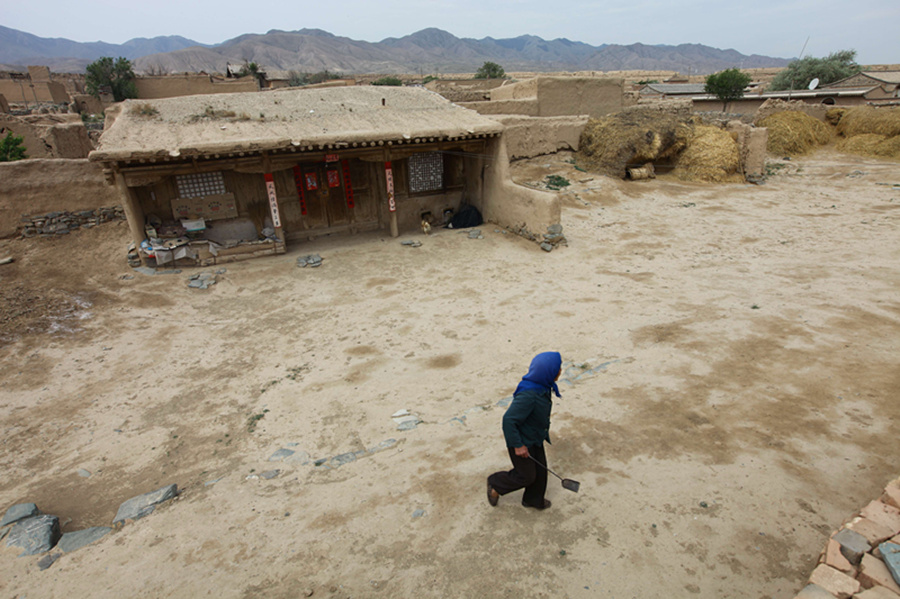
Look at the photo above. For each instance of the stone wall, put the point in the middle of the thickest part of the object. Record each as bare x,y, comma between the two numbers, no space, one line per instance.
42,186
62,223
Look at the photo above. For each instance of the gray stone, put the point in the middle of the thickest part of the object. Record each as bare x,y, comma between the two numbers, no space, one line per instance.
211,482
299,457
35,535
221,271
475,234
138,507
269,474
386,444
853,545
504,403
47,561
280,455
546,247
411,243
344,458
890,553
19,512
418,513
555,229
71,541
813,591
84,473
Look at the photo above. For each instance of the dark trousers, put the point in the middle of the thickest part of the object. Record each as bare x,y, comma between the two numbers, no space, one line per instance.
524,475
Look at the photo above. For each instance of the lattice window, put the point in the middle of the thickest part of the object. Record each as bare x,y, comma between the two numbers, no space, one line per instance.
426,172
200,185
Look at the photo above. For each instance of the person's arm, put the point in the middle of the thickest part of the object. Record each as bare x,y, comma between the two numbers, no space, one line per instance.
518,411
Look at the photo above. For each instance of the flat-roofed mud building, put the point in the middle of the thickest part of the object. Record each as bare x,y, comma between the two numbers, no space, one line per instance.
301,163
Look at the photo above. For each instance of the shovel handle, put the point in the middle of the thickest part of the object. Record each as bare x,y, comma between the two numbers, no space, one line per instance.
545,467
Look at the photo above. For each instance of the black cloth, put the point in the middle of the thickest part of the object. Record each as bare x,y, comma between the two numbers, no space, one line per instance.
468,216
524,475
527,419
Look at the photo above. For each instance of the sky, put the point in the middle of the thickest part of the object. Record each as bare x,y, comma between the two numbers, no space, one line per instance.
778,28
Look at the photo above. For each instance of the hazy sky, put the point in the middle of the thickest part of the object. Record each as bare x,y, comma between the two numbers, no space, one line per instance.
770,27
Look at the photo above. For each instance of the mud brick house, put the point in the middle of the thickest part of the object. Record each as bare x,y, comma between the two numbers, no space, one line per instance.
249,173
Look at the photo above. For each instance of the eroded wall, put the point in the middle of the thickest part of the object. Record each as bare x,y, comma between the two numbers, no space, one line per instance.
48,185
527,137
170,86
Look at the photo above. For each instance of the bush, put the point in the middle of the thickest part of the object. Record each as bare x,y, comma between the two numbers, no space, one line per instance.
296,79
11,148
490,70
394,81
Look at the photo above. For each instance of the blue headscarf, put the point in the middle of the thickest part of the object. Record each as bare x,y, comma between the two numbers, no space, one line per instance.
542,373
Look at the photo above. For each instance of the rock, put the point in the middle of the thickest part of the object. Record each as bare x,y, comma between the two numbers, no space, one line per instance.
475,234
874,532
142,505
47,561
555,229
411,243
35,535
853,545
546,247
504,403
84,473
221,271
71,541
883,514
837,583
269,474
344,458
405,423
280,455
813,591
19,512
299,457
399,413
418,513
836,559
875,593
890,552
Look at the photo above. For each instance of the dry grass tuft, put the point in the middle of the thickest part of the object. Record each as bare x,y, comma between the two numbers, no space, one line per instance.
792,133
711,155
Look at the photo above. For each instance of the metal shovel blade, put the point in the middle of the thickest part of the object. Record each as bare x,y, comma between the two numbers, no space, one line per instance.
571,485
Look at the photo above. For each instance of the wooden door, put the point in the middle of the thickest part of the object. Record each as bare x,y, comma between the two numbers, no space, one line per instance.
326,203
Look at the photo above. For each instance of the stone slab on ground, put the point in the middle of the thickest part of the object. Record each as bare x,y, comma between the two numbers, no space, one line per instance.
890,552
35,535
873,572
813,591
876,593
18,512
884,514
891,494
853,545
874,532
835,582
71,541
47,561
836,559
138,507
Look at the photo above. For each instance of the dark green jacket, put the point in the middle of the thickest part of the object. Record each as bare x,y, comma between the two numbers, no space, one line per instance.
527,420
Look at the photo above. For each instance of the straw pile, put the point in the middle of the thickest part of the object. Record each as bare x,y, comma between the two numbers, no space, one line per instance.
612,143
834,115
869,119
711,155
792,133
870,131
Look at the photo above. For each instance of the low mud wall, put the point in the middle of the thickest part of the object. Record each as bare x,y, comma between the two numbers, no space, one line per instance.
41,186
527,137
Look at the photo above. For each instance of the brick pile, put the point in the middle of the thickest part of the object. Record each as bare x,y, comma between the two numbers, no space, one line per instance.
862,558
61,223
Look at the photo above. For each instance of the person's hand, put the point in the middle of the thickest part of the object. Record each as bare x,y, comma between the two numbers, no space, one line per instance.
522,452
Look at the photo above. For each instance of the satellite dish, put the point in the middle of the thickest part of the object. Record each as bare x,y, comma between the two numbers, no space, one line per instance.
814,83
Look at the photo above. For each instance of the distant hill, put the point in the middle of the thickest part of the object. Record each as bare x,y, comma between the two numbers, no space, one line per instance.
430,51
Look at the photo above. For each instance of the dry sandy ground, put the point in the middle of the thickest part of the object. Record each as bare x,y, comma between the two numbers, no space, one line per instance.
752,337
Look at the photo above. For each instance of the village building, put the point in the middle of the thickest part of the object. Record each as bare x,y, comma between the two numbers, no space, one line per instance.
207,179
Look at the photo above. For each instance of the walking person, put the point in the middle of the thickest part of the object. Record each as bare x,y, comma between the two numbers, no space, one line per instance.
526,425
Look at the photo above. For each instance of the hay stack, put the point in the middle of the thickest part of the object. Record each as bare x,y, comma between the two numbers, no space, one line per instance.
711,155
834,115
869,119
871,144
792,133
612,143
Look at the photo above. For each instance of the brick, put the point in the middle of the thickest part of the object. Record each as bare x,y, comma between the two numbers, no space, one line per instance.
813,591
834,558
835,582
891,494
874,532
891,557
873,572
853,545
886,515
876,593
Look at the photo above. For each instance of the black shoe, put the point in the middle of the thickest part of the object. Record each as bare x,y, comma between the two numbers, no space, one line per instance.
546,505
492,495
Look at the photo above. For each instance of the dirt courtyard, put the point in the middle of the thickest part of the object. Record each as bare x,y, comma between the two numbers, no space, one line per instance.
747,339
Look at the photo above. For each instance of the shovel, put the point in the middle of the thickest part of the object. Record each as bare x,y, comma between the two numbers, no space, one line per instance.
567,483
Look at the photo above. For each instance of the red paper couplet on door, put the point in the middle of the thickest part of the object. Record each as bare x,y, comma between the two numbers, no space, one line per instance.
334,179
273,200
298,182
311,181
348,185
389,176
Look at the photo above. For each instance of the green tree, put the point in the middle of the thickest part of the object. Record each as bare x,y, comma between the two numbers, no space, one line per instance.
117,75
727,85
395,81
11,148
834,67
490,70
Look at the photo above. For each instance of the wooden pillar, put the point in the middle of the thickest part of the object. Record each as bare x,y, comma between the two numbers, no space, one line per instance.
392,202
133,211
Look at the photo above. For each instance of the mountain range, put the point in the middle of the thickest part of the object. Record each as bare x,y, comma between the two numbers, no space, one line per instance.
430,51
